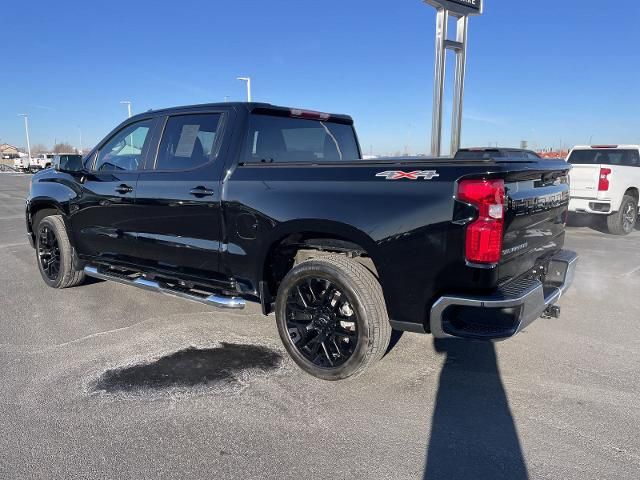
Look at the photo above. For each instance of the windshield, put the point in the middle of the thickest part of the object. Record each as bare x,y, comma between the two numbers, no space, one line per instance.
605,157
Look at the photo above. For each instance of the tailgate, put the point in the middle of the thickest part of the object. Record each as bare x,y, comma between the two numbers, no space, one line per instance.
584,181
537,206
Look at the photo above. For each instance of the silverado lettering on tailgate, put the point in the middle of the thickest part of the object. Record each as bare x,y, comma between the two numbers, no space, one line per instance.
527,206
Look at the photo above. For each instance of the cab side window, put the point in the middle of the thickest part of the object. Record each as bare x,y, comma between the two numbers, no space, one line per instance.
124,151
275,139
188,141
633,158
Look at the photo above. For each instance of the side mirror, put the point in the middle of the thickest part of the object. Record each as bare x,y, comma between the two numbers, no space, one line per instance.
70,164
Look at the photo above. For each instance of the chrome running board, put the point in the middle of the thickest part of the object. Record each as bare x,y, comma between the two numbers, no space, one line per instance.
213,300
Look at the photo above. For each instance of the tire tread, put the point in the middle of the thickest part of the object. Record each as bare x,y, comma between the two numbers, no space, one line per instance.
70,276
614,221
372,302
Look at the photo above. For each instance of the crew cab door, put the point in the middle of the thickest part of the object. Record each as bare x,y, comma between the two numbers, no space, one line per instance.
178,197
104,218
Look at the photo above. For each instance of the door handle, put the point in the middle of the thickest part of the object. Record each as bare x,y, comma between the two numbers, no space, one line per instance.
201,192
122,189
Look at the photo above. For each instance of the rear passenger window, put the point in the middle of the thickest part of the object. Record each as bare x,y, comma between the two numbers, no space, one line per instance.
284,140
188,141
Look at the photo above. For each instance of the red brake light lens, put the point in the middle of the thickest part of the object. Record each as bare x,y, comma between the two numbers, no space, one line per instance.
309,114
603,184
483,242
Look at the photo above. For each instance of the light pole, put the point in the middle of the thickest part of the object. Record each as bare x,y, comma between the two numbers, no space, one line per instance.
248,80
80,132
128,104
26,129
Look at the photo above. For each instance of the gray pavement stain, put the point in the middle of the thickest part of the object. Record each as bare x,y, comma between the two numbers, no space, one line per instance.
191,367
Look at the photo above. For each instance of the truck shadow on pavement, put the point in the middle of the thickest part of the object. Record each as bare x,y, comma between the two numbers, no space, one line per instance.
191,367
593,222
473,434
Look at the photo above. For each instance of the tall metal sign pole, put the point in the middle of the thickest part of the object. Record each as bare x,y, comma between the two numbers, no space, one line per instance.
461,10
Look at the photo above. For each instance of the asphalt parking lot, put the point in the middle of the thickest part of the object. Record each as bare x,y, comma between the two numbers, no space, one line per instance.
107,381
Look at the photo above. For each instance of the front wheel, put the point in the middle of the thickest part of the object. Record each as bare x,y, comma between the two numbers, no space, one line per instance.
54,253
332,317
624,220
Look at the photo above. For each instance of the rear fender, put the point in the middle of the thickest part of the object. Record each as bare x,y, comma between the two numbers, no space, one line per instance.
310,229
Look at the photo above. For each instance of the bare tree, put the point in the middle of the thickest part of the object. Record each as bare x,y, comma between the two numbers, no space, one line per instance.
63,147
39,148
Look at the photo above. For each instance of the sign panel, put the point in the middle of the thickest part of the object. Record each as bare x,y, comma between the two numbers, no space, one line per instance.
462,7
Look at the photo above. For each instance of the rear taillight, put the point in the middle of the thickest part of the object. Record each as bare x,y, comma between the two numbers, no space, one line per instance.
484,236
603,184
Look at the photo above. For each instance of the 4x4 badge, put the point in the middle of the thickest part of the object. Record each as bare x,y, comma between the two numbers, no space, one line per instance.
400,175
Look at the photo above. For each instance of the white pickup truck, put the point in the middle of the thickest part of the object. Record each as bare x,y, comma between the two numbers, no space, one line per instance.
605,180
22,164
41,161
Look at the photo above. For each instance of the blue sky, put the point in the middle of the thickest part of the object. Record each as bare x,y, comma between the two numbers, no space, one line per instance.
546,71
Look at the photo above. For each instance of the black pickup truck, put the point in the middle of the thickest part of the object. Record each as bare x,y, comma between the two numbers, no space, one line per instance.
234,202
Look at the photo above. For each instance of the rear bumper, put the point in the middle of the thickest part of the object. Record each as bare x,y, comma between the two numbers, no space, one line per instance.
505,313
590,205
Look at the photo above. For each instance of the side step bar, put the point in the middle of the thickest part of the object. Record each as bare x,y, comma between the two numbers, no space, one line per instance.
141,282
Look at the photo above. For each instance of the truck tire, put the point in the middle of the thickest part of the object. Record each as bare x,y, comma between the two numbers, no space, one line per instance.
332,317
54,253
624,220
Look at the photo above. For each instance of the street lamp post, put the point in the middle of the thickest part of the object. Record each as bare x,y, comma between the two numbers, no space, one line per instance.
26,129
248,80
128,104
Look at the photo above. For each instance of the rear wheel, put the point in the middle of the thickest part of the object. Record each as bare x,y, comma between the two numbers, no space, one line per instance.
332,317
54,253
624,220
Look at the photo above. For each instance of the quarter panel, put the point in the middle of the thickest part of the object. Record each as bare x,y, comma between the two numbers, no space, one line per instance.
405,226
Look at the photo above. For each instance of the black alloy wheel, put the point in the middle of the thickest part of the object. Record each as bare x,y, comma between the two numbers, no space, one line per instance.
54,252
321,322
331,316
48,252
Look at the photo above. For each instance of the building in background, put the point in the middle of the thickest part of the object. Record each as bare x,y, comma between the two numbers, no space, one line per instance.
562,154
8,151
